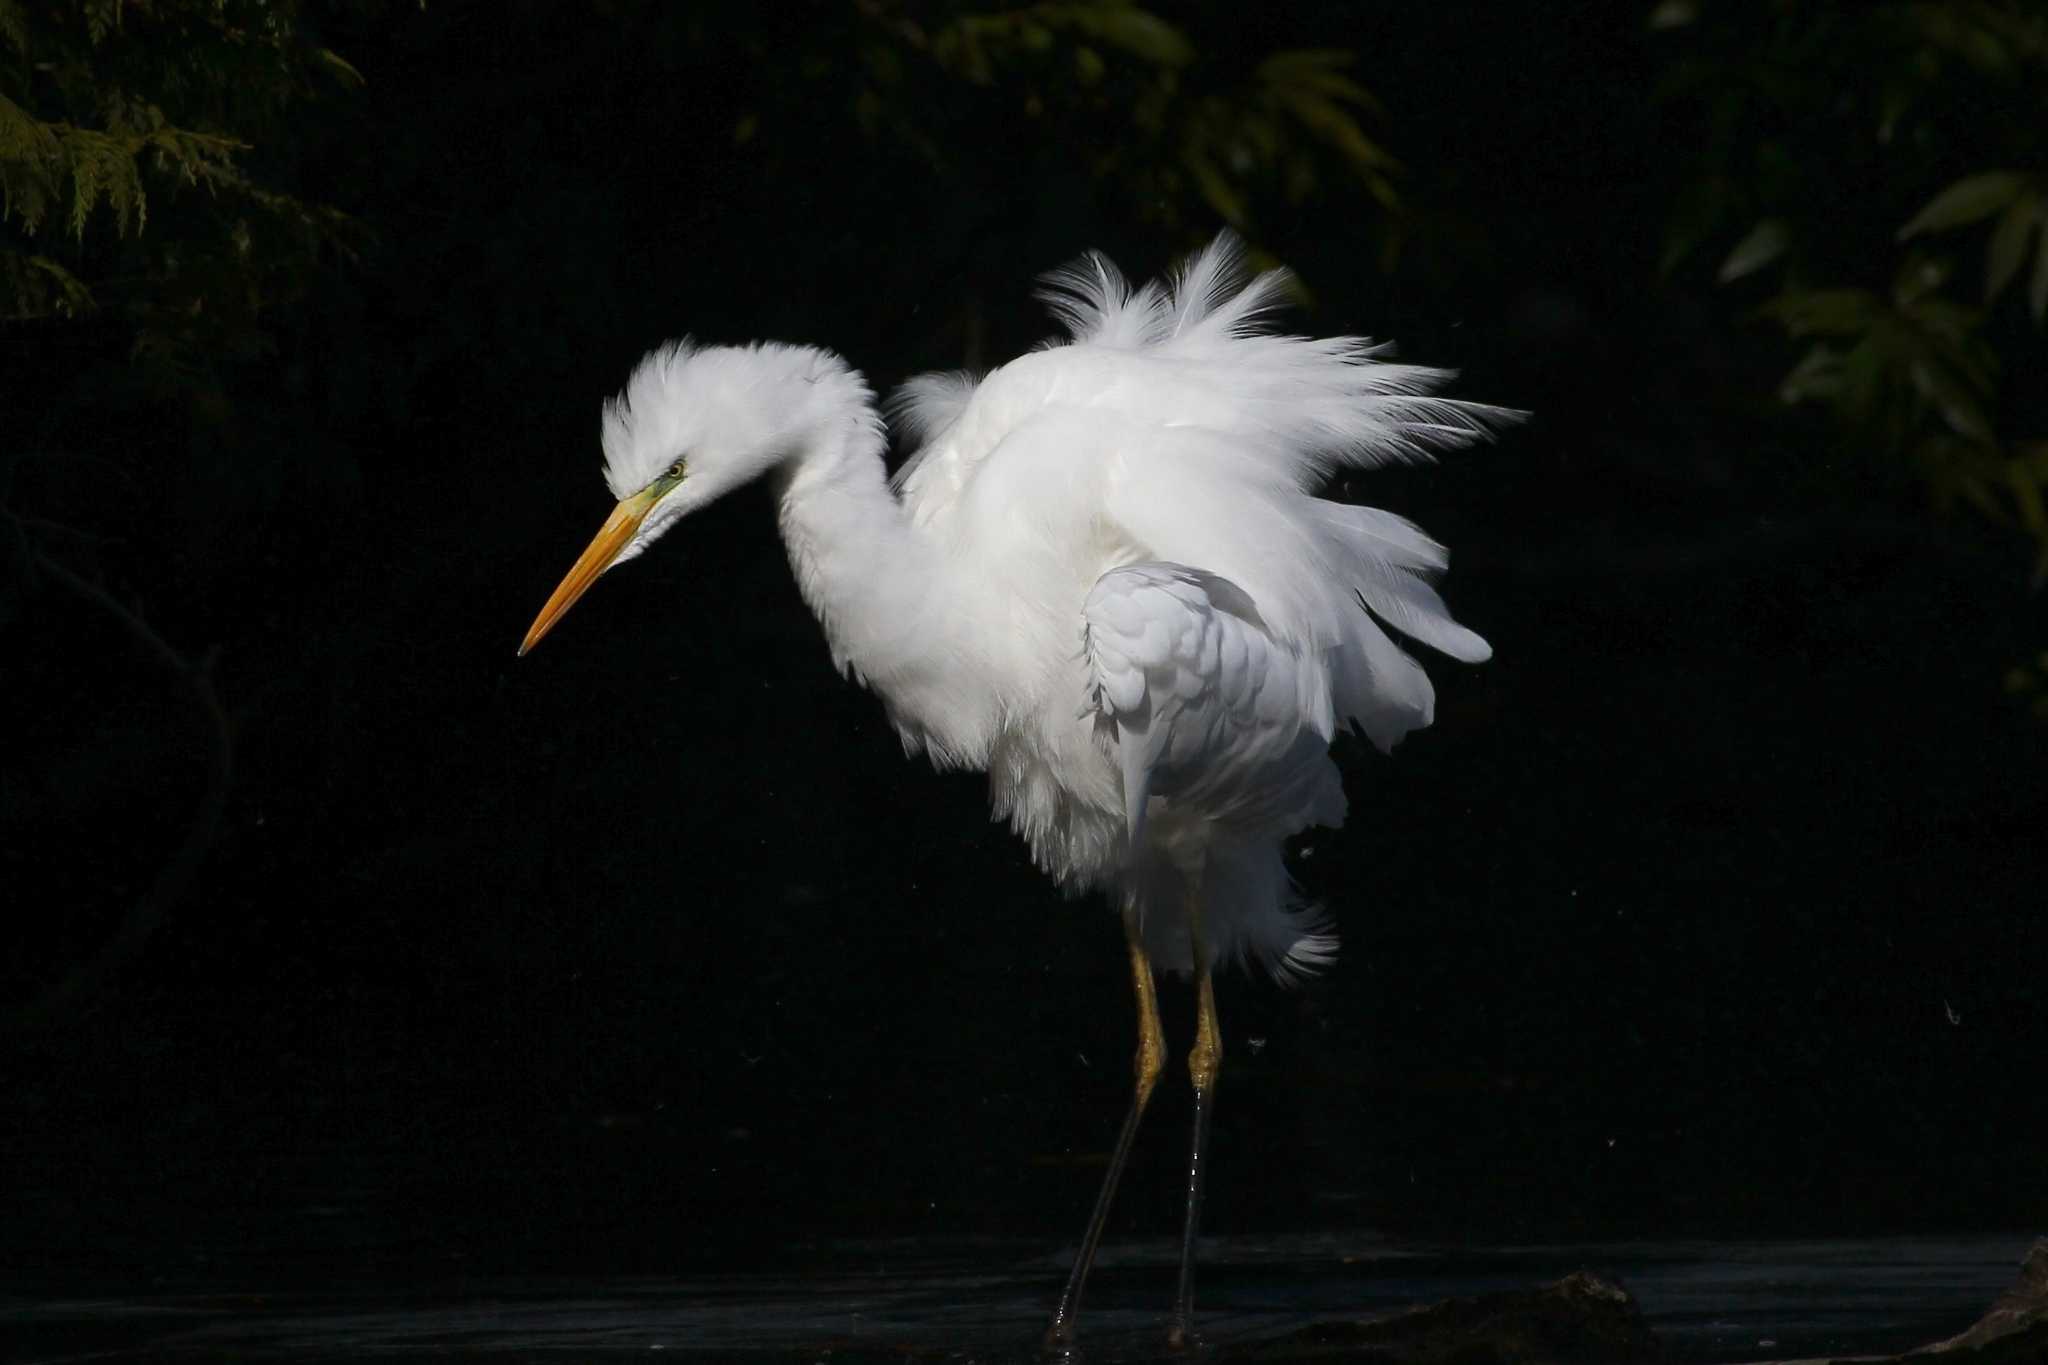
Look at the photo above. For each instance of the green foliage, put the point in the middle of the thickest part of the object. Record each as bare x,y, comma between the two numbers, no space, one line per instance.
125,130
2028,684
1818,119
1231,139
1186,138
1888,362
2018,201
39,160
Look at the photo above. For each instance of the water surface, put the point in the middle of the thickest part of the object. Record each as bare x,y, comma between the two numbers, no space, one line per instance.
987,1300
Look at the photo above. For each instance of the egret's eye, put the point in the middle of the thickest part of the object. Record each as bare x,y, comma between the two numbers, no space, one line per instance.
675,471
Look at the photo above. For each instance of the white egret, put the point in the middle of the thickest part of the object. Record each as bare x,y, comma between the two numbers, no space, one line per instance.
1106,579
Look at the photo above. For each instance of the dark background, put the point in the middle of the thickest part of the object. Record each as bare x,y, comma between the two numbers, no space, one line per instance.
1712,905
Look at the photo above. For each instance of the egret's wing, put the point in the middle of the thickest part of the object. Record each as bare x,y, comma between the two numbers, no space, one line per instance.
1205,706
1196,354
1219,727
1201,352
1177,426
1337,581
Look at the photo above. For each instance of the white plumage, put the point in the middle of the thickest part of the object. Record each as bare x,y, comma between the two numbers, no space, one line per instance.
1104,573
1105,578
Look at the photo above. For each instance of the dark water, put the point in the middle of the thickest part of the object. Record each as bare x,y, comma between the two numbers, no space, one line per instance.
1708,1301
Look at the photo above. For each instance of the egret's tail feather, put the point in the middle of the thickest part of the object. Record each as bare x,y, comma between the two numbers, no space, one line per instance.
1312,954
1256,915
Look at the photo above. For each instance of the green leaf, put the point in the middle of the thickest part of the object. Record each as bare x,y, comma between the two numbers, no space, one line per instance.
1329,121
101,18
1215,187
1867,371
1960,469
1818,375
1920,277
1701,210
14,26
2026,495
1948,321
1765,243
1892,107
1837,312
1137,31
339,65
2037,295
1978,494
1969,199
1969,31
884,66
2033,456
39,287
1673,14
1958,406
867,110
2008,251
1319,68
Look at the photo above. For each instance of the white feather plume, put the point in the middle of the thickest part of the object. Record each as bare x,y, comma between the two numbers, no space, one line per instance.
1215,432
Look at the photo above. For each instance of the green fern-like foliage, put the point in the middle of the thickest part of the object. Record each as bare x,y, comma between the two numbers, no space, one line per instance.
124,129
83,169
31,166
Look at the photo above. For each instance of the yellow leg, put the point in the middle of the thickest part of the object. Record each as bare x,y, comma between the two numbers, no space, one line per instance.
1150,1061
1204,1060
1151,1056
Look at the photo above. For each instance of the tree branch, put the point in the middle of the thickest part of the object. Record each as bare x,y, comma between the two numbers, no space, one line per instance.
147,913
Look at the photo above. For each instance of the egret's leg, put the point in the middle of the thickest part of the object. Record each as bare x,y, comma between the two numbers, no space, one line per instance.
1151,1060
1203,1060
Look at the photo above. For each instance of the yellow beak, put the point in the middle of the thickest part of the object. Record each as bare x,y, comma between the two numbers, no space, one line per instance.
612,537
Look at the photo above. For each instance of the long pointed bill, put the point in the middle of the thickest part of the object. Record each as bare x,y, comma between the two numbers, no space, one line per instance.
612,537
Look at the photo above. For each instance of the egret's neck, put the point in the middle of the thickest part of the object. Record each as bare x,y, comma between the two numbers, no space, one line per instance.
880,588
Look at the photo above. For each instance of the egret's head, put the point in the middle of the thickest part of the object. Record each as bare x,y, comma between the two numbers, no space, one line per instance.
692,424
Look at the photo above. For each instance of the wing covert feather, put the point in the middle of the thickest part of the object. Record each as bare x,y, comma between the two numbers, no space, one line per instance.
1207,709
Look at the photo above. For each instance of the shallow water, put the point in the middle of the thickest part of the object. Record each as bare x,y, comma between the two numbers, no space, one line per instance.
1708,1301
